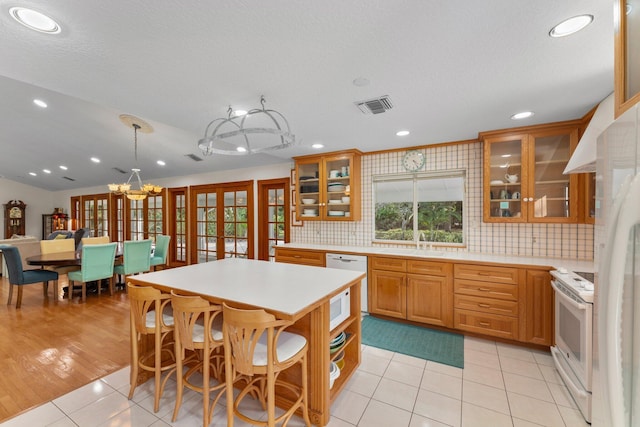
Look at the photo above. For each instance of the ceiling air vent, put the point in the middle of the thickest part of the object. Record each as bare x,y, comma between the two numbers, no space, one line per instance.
375,105
119,170
68,179
194,157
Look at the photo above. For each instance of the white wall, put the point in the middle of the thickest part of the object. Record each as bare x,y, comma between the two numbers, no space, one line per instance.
38,202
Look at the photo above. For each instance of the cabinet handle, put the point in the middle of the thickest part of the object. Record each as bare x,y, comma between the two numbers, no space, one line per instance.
483,305
484,323
484,289
484,273
297,256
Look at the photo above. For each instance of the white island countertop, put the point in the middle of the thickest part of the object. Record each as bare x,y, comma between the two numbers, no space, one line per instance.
436,254
287,289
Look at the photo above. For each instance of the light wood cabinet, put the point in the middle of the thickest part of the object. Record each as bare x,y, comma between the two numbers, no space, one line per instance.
388,293
626,55
538,319
328,186
523,174
301,256
486,300
415,290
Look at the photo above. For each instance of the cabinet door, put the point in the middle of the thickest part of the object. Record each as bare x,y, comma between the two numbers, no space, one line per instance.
308,197
538,302
552,196
504,160
342,174
429,300
388,293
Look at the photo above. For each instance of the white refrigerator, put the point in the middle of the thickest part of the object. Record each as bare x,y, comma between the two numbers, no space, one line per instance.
616,345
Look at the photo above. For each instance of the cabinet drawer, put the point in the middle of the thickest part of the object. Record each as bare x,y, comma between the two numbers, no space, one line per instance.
388,264
296,256
486,289
486,305
429,267
487,324
487,273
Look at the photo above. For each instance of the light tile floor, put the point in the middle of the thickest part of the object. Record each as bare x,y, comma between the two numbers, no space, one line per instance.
501,385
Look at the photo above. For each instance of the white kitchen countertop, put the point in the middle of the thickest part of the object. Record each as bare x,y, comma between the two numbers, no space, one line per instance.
277,287
553,263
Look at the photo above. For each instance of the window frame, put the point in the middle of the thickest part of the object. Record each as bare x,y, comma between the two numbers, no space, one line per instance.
414,178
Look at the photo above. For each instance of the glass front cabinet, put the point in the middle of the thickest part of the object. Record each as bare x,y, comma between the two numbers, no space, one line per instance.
328,186
523,176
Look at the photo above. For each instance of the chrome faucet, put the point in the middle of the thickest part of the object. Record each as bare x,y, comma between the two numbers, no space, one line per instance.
421,237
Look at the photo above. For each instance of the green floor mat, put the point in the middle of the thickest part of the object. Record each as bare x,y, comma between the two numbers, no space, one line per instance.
417,341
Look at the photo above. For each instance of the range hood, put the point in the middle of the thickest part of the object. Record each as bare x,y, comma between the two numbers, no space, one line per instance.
584,158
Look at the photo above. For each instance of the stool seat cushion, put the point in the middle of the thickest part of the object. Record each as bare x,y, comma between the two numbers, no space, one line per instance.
216,330
150,320
35,276
287,346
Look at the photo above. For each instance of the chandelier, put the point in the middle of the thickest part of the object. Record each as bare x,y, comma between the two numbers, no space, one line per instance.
234,136
143,190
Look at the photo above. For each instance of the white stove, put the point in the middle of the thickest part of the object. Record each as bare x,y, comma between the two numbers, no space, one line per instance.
575,284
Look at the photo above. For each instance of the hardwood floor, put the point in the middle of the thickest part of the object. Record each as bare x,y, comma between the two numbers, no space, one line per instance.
48,348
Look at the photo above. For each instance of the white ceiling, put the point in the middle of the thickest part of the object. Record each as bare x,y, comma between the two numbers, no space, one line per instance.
451,68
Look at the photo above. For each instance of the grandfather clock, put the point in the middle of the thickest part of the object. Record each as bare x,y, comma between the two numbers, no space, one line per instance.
14,218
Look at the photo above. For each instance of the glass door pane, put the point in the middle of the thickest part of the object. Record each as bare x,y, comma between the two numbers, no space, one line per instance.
206,226
235,224
505,186
180,233
551,191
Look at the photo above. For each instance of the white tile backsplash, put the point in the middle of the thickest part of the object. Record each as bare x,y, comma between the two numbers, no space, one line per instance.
571,241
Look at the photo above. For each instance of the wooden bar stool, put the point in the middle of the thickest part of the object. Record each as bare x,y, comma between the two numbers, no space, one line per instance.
151,315
198,328
257,347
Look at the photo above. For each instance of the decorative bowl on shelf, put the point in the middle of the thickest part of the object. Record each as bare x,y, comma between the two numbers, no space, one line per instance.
336,187
334,373
308,201
497,182
346,199
334,201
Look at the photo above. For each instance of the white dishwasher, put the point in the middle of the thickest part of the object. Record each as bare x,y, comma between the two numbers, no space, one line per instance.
353,263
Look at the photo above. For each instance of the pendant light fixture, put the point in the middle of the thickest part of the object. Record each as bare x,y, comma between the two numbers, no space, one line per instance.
143,190
257,131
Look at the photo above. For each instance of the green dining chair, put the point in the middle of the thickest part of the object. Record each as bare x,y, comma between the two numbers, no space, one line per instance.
162,248
19,277
97,264
136,258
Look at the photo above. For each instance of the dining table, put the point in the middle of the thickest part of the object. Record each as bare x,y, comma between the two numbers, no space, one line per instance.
56,259
298,293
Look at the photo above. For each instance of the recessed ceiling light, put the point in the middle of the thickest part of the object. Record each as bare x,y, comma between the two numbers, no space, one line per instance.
33,174
317,146
161,162
522,115
239,113
95,160
46,171
403,133
64,168
40,103
34,20
571,25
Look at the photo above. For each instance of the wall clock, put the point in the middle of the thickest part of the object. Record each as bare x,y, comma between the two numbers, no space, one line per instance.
413,160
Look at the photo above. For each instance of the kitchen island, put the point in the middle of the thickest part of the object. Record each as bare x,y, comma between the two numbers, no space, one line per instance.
296,293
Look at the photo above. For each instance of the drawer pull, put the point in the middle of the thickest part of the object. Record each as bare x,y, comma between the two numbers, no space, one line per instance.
483,305
484,273
484,323
484,289
297,256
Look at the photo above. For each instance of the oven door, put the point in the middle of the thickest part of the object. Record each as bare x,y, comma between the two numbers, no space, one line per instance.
574,339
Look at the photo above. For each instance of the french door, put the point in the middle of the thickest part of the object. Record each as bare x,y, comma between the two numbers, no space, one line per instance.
222,221
273,217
